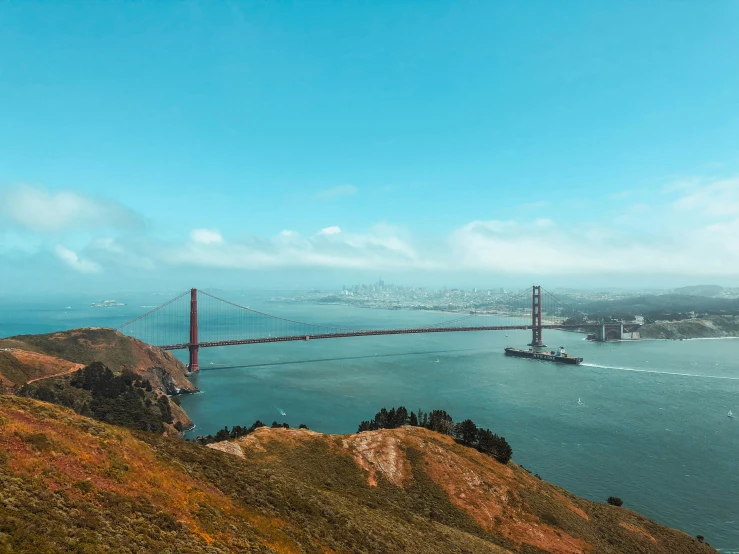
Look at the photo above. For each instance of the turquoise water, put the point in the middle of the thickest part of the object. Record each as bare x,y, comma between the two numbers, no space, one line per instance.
652,427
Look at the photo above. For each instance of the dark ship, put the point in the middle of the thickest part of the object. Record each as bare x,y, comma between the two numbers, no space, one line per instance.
561,357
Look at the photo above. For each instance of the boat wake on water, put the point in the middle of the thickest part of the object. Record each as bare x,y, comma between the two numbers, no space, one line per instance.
619,368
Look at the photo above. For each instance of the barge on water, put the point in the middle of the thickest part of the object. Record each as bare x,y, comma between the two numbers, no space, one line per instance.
560,357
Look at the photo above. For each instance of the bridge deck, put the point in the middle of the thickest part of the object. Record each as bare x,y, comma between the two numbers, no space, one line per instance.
364,333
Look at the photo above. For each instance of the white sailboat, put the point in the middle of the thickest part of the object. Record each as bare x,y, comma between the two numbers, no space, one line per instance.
579,401
731,416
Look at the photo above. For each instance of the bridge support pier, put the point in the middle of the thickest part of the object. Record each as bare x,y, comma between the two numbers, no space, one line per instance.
536,317
194,345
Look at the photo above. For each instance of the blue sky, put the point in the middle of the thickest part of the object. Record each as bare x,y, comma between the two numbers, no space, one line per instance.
310,143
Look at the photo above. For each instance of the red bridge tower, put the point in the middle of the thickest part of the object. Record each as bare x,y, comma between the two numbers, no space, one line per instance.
194,346
536,317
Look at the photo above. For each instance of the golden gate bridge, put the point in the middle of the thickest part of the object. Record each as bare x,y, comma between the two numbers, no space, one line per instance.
197,319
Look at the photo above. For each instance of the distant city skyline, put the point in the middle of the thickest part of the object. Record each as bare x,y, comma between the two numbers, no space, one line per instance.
303,145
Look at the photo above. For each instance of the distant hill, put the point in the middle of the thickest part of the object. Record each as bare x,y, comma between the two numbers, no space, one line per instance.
84,346
663,303
28,359
700,290
715,327
74,484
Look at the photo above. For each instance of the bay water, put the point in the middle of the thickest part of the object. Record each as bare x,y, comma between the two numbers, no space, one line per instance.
651,428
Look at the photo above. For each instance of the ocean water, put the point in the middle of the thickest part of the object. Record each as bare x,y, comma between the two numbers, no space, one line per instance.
652,427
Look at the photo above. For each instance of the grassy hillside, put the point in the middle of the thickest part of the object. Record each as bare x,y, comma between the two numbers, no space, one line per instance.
662,303
68,483
700,290
692,328
85,346
19,366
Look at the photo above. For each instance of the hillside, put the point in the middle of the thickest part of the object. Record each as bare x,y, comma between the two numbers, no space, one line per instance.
715,327
19,366
662,303
68,483
700,290
84,346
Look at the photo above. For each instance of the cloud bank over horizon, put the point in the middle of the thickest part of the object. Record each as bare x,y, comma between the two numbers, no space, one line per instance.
688,232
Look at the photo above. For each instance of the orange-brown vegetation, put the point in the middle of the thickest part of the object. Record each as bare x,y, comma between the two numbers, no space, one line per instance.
526,513
46,366
116,351
31,358
68,483
638,530
82,460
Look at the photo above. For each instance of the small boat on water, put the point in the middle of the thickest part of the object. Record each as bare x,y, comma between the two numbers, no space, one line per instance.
560,356
579,402
731,416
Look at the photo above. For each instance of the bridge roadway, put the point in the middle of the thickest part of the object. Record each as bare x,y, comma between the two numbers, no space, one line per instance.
364,333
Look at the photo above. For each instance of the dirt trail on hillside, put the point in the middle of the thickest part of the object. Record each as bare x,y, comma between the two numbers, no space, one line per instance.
57,367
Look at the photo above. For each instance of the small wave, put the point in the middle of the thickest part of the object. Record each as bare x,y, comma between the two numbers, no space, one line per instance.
619,368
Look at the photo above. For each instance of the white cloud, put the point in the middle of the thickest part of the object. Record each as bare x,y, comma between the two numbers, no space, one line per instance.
380,248
720,198
206,236
333,230
108,251
43,211
687,230
71,258
336,192
605,248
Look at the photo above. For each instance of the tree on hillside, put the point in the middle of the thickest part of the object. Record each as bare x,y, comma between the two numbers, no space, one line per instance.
491,444
256,425
401,417
441,422
466,431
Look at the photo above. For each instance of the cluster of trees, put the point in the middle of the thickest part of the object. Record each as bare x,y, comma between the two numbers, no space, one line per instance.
239,431
123,399
465,432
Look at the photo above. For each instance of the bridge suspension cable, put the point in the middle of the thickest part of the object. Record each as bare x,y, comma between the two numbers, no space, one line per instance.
204,319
